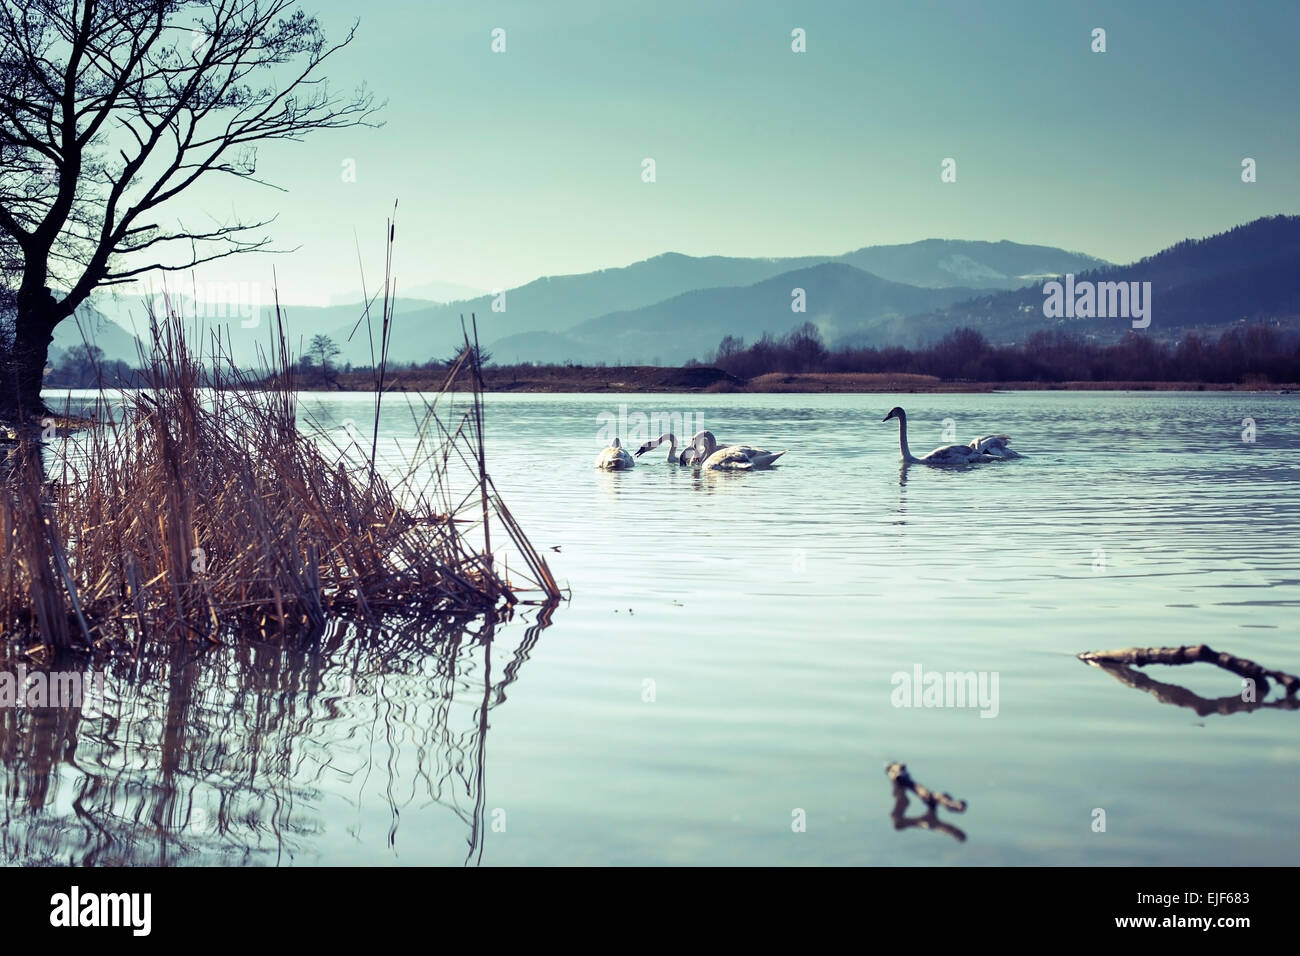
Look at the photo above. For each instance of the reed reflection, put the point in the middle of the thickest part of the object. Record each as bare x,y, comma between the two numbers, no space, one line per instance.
242,753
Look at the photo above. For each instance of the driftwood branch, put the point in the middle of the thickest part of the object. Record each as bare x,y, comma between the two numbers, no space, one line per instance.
1192,654
898,773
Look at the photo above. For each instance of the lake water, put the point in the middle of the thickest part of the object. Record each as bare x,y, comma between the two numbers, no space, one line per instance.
722,686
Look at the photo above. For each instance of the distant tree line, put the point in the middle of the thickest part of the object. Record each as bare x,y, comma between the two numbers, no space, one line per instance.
1254,353
85,366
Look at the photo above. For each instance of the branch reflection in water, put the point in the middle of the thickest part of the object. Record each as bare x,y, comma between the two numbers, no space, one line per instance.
930,799
926,821
225,756
1180,696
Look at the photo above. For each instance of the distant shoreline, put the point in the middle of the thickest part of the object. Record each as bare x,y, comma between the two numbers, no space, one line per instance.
653,379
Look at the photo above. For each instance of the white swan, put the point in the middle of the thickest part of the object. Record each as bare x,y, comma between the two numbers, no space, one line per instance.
614,458
979,450
995,446
731,457
689,455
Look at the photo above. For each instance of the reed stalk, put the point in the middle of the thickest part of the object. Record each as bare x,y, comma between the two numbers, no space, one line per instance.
199,508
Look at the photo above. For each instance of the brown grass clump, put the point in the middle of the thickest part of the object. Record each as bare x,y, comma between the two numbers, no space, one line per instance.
197,508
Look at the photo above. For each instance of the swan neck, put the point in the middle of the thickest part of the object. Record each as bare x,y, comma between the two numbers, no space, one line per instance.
902,437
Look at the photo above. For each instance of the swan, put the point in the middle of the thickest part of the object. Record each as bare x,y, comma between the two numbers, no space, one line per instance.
995,446
614,458
731,457
946,454
689,455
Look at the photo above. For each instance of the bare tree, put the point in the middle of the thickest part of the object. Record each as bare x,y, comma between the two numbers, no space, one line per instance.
81,365
109,109
322,349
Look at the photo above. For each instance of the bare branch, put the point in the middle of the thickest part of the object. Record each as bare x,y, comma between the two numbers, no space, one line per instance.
110,111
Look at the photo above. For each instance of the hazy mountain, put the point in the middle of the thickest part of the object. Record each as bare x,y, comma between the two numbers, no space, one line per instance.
674,307
935,263
839,299
1247,274
429,292
424,330
90,326
247,327
560,304
554,304
548,308
549,348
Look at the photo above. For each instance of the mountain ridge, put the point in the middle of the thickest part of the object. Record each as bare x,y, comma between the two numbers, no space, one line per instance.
1249,273
674,306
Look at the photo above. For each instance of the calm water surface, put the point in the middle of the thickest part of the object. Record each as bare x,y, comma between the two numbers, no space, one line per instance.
725,667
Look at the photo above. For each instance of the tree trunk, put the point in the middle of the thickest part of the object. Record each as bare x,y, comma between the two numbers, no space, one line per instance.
20,383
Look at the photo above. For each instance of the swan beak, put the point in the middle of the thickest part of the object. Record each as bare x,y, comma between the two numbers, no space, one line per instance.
888,417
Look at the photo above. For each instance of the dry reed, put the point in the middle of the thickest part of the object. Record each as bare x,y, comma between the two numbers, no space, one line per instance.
197,508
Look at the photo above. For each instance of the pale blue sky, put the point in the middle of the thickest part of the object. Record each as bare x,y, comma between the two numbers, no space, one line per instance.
511,166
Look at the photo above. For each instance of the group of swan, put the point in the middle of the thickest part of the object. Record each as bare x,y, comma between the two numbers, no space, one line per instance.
689,455
705,452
